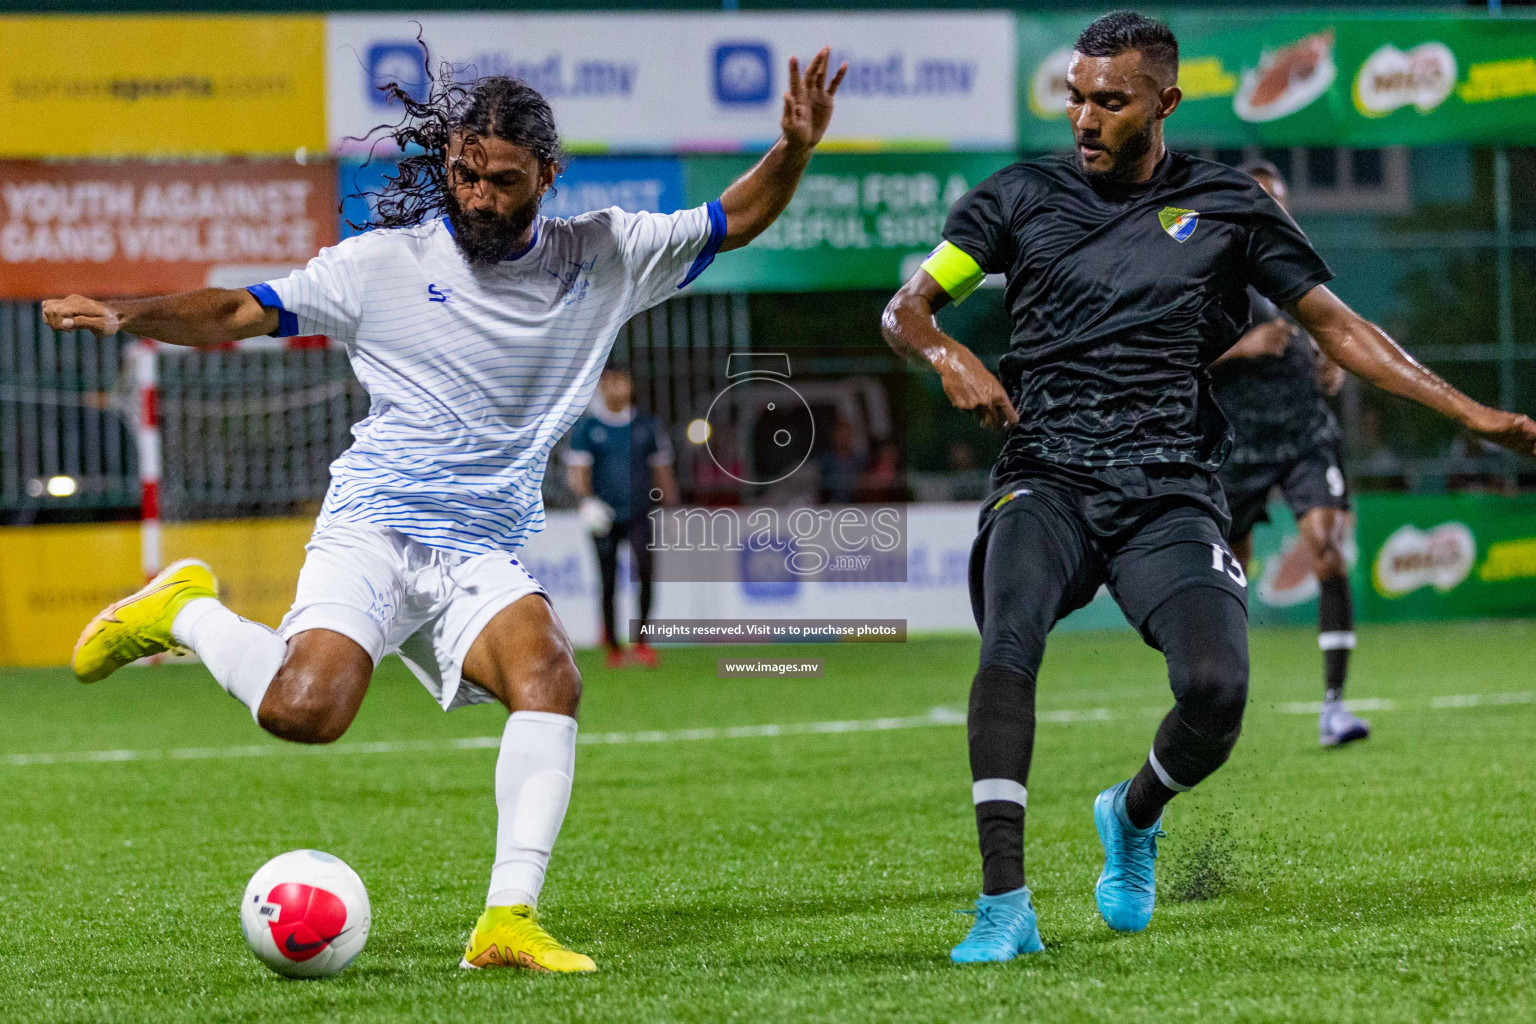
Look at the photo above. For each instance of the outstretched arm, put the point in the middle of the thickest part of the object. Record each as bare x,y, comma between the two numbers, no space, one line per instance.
912,332
756,199
205,318
1366,351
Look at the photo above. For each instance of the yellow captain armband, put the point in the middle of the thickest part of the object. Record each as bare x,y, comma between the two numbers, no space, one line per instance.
954,270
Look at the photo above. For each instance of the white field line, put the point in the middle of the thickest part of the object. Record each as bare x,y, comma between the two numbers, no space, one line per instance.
935,717
1312,707
1473,700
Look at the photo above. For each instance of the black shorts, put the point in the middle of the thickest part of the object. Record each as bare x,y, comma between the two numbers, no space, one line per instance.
1042,552
1311,480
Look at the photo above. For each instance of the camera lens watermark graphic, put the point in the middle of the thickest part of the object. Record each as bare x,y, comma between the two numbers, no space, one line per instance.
789,468
779,426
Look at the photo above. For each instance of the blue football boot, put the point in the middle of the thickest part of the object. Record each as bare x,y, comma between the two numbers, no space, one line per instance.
1005,927
1127,889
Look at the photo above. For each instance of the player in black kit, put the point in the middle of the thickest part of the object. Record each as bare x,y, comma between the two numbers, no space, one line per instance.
1270,385
1127,270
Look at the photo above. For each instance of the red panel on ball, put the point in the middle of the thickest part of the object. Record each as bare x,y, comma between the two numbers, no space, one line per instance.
310,919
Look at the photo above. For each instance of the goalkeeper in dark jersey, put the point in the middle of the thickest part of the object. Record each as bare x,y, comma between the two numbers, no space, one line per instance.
1270,385
1127,270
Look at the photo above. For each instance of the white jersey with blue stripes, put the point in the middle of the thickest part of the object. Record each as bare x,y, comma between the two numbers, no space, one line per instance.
475,373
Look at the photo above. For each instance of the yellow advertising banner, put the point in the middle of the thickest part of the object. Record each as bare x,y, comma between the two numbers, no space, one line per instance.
57,577
161,86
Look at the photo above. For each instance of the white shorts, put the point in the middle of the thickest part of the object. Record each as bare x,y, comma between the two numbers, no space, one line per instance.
394,595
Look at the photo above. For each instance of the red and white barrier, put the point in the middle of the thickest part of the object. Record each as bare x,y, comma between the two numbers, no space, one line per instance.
147,435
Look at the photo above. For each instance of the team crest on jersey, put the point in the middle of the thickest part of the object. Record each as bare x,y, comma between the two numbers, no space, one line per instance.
1179,224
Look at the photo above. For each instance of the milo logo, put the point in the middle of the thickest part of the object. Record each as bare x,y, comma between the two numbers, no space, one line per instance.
1412,558
1391,78
1047,94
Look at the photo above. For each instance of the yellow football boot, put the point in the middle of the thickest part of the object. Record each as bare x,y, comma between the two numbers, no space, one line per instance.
140,624
513,937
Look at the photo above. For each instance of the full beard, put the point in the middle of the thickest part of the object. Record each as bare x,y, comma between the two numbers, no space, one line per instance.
485,238
1125,158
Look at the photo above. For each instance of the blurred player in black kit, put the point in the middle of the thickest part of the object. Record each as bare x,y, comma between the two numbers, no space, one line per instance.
1127,270
1270,385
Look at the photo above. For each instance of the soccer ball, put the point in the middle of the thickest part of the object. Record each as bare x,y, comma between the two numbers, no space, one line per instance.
305,914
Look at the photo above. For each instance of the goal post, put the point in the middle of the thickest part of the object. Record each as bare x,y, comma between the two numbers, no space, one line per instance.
241,432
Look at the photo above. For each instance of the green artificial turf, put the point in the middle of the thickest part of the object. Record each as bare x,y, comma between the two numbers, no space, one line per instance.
806,877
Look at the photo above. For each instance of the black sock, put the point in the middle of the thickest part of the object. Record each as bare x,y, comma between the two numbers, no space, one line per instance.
1000,830
1335,633
1186,756
1001,731
1146,797
608,579
646,589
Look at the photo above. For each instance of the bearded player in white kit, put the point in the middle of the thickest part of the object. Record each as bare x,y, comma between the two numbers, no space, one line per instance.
479,329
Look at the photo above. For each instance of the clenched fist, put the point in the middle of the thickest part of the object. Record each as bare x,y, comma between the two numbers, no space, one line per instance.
971,387
1510,429
80,313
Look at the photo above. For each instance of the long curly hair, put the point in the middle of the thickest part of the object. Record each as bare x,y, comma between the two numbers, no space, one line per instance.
456,104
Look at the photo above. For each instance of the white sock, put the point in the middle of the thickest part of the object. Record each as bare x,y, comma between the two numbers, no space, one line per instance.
533,789
243,655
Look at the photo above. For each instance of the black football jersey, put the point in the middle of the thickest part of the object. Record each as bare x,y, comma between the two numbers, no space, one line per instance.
1273,402
1120,296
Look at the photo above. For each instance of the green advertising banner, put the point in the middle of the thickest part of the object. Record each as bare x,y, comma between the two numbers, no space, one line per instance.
857,221
1458,556
1303,78
1414,557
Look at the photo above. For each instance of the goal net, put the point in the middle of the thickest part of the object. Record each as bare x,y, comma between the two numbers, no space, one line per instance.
234,448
